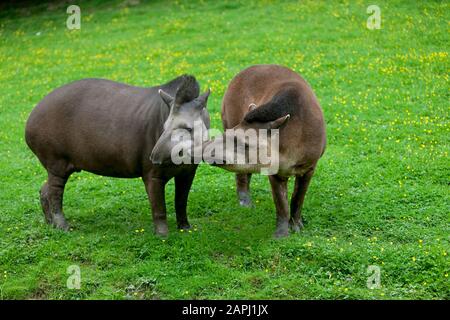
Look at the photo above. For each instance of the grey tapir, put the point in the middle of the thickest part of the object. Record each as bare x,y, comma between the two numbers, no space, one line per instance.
111,129
274,97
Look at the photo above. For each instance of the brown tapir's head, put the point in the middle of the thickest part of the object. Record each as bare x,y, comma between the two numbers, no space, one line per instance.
250,147
188,117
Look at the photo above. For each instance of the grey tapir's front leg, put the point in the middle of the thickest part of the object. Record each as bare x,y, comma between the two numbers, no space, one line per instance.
183,184
156,193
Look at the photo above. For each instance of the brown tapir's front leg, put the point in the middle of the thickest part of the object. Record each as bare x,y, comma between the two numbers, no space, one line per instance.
298,196
156,193
243,189
182,186
279,193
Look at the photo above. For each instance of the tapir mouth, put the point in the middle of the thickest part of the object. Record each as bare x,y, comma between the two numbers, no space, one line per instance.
212,160
154,160
164,162
215,164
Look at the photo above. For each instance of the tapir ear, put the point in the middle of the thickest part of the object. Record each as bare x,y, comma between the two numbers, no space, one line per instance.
276,124
167,98
251,107
203,99
187,91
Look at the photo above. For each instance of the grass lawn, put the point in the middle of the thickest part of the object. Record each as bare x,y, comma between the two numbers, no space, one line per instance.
380,196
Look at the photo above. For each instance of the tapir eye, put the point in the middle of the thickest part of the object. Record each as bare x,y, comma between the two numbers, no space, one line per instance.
188,129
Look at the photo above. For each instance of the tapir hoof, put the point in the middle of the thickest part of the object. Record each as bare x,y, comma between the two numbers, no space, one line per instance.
161,230
245,200
184,226
281,234
60,222
295,226
282,229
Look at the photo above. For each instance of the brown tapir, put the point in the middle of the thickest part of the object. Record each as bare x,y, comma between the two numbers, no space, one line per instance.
111,129
273,97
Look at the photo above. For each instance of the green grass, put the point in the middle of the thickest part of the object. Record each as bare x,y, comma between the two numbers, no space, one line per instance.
380,195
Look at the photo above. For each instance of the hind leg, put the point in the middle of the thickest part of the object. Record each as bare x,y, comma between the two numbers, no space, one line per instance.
279,193
44,203
298,196
243,189
52,200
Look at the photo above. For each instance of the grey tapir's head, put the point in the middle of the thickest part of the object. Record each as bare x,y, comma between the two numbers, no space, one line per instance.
188,117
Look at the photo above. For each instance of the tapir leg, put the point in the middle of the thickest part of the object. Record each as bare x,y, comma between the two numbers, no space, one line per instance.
182,186
45,203
156,193
298,196
243,189
279,193
52,200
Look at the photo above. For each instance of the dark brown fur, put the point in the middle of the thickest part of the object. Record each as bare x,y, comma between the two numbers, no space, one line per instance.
283,103
279,91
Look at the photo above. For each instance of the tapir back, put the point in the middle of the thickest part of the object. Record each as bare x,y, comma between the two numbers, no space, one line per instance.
302,139
97,125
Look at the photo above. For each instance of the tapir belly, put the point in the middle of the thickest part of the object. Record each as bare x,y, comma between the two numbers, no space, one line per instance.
115,153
